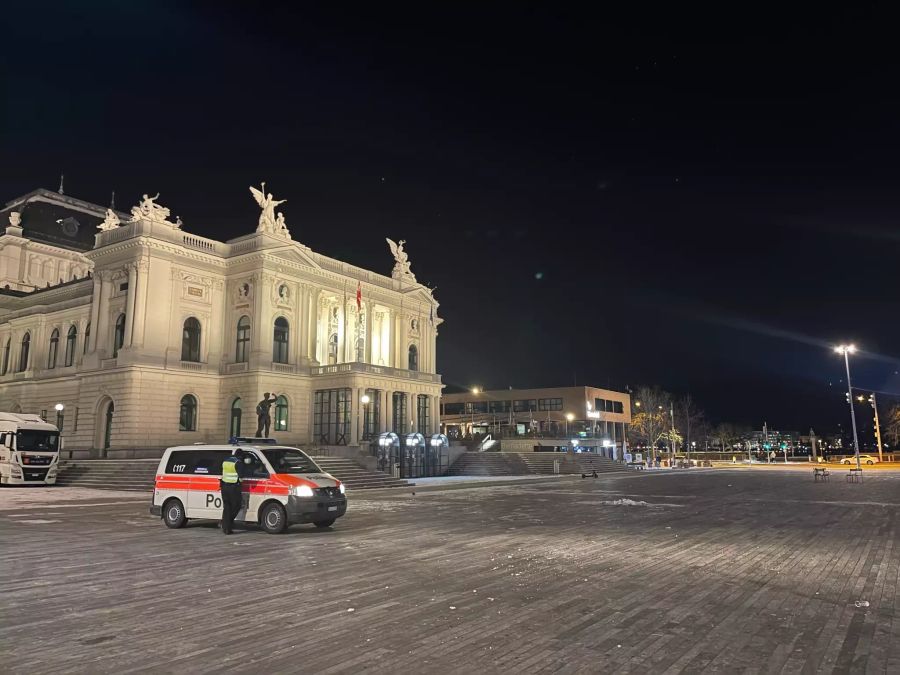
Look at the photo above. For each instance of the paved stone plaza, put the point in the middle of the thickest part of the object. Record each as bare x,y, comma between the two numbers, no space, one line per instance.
712,570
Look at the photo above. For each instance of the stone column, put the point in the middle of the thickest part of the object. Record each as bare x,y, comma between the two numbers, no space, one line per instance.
387,412
302,329
95,313
101,330
356,413
260,346
435,414
140,301
315,297
370,330
392,354
129,304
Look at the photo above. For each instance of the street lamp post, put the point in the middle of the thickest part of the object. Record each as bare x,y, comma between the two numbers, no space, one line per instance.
59,416
877,426
846,350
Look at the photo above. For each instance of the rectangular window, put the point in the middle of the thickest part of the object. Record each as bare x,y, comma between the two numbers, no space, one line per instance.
525,405
498,406
618,407
75,421
476,407
372,414
455,408
400,414
423,416
599,405
549,404
331,416
609,405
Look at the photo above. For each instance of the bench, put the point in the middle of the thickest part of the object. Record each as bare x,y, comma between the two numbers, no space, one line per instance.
820,472
855,476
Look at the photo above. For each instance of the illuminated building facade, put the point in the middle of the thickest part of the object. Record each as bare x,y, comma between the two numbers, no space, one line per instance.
152,336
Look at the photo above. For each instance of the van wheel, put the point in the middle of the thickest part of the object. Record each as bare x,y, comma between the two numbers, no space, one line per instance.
870,462
173,514
274,519
322,524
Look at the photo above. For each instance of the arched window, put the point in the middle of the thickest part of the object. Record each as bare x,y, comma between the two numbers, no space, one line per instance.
413,357
5,368
280,342
87,337
190,340
54,348
235,425
23,355
333,348
187,415
119,335
71,340
242,347
281,414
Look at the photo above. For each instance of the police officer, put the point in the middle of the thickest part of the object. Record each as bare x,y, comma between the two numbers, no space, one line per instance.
230,485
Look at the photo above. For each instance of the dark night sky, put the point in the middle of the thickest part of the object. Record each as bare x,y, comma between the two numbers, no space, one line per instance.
704,201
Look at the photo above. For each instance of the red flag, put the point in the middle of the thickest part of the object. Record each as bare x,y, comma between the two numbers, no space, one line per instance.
358,296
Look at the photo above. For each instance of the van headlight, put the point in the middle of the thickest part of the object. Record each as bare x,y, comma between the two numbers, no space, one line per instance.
342,488
302,491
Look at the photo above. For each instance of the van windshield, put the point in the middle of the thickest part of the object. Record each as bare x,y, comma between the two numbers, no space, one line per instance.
286,460
37,441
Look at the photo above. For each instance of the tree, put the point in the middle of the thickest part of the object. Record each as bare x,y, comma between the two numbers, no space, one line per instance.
649,416
688,419
892,424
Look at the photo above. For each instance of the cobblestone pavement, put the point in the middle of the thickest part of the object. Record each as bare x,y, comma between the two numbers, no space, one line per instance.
712,570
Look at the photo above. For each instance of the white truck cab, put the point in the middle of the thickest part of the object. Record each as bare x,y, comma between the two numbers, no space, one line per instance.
29,450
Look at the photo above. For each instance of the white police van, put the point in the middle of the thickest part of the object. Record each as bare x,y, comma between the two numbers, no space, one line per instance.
281,486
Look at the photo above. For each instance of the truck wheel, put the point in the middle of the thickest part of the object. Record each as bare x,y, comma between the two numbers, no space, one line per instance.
173,514
274,519
322,524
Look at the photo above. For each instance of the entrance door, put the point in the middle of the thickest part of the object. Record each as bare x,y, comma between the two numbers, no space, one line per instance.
107,426
235,424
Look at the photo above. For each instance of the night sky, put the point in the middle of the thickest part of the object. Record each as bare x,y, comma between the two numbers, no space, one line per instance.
702,201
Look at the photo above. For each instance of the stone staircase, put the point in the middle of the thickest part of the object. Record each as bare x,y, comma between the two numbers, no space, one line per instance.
355,477
531,463
489,464
108,474
587,462
139,474
542,462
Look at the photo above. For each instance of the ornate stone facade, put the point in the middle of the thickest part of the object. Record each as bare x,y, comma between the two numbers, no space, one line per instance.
175,337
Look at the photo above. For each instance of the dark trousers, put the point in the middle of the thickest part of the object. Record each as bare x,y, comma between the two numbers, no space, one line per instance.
231,504
263,425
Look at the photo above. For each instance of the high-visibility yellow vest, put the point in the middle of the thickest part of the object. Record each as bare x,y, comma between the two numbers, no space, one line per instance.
229,471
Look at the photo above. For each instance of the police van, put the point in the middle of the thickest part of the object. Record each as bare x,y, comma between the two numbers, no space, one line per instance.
280,486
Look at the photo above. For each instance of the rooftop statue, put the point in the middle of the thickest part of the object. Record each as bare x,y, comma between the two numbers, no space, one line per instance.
402,269
267,220
148,209
111,221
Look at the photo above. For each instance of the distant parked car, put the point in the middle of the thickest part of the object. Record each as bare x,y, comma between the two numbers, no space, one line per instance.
864,459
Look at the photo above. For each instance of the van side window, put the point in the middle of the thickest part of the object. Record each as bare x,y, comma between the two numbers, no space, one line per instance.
181,462
209,462
256,469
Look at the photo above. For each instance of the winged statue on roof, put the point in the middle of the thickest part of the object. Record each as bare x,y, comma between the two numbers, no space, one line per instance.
402,269
267,219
